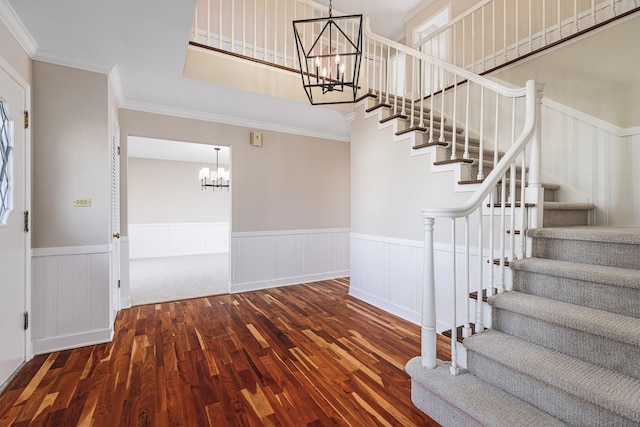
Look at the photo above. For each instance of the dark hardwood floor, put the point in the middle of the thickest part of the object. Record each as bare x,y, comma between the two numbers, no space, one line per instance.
305,355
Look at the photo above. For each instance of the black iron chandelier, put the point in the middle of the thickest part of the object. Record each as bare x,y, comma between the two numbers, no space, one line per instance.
330,53
218,178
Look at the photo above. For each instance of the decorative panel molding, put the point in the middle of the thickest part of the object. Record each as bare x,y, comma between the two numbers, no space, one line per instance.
279,258
592,161
175,239
70,297
387,273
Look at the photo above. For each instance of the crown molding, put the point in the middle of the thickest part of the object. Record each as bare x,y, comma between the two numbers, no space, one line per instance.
67,60
10,18
229,120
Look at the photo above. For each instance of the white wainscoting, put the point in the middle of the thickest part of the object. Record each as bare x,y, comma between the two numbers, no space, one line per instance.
176,239
268,259
70,297
593,161
387,273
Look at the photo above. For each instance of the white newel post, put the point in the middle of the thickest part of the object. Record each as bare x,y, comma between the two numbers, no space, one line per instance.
429,299
535,192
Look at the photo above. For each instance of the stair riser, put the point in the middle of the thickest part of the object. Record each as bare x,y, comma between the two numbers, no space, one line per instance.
587,252
439,409
614,299
563,218
569,408
589,347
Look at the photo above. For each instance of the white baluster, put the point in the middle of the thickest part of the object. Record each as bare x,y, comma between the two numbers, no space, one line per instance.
504,29
395,84
284,34
428,319
455,113
492,284
559,21
483,38
473,43
275,31
255,28
530,27
575,15
464,44
208,22
264,54
517,19
593,12
232,39
512,188
544,21
501,230
466,330
454,317
220,24
479,327
523,211
442,89
465,155
413,85
388,73
244,27
481,152
494,54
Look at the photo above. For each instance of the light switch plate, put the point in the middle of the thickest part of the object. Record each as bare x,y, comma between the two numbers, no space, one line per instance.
81,202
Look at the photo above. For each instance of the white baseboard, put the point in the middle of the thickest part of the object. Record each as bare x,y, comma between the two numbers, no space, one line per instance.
287,281
64,342
385,305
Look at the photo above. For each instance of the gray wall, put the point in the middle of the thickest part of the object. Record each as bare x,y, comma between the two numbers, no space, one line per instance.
165,191
293,182
70,156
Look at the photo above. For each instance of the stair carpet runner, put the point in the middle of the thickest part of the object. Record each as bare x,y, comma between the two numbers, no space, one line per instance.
564,348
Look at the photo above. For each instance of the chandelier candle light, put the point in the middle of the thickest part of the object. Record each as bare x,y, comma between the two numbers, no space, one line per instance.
330,62
219,178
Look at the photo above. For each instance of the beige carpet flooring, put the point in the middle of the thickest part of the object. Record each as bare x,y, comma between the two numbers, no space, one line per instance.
156,280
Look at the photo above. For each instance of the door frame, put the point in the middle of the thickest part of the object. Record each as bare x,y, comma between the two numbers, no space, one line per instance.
26,86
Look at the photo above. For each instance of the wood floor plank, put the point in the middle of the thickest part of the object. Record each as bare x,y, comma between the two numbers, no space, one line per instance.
305,355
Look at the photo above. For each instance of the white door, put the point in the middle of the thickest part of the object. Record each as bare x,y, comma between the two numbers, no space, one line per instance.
115,222
13,238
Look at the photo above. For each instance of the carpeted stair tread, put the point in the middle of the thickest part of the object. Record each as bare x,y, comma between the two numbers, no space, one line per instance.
624,329
624,235
479,402
600,387
612,276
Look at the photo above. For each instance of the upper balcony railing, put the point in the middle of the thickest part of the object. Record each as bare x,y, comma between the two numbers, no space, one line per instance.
260,30
494,33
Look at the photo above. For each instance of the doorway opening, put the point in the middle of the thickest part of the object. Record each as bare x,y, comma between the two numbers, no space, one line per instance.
178,231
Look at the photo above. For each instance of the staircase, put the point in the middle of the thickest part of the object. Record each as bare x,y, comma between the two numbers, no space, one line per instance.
565,342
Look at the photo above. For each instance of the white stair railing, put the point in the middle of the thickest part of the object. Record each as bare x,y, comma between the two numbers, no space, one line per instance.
453,107
495,32
454,110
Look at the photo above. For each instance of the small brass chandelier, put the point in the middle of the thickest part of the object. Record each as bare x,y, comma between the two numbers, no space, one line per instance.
330,62
218,178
